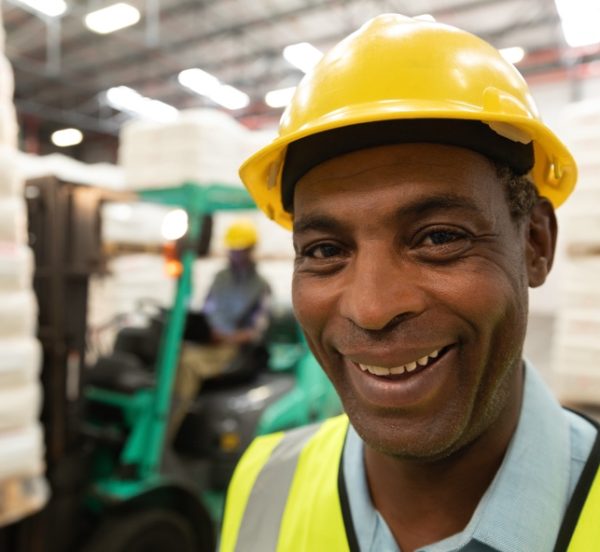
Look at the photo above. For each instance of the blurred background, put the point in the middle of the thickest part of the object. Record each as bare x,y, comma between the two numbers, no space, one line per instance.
122,126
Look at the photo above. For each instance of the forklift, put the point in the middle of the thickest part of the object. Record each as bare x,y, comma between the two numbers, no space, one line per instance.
127,488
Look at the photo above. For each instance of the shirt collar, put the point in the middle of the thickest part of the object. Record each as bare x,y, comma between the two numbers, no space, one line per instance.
524,506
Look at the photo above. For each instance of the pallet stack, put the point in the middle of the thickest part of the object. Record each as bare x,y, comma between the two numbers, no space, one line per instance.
576,345
23,489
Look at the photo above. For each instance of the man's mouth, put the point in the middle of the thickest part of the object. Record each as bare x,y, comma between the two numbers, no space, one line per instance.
411,367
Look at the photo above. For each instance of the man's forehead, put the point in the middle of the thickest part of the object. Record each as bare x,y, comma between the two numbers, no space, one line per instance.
398,162
397,182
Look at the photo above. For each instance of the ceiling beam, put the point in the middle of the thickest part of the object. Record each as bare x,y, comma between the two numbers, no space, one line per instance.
68,117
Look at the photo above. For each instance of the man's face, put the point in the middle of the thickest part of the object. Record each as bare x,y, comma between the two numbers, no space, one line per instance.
410,283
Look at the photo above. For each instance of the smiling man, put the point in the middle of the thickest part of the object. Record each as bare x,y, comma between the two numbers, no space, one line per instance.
420,184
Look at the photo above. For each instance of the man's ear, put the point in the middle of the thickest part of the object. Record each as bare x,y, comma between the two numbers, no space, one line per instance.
541,242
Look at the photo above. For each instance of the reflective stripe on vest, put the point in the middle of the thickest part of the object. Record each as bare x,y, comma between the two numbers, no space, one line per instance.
259,530
294,512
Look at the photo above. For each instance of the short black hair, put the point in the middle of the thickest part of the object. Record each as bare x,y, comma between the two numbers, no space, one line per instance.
521,192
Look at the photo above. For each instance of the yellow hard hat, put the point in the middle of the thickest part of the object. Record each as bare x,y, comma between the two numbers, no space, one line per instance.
396,68
241,234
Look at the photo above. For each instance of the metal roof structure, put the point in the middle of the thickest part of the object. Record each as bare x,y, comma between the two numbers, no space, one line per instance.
63,70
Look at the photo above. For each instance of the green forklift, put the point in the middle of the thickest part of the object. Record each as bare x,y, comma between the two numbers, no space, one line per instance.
148,495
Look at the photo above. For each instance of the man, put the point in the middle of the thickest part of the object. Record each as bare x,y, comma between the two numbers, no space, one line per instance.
236,311
421,186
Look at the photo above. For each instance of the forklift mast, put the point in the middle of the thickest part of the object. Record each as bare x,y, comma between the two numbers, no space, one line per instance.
64,223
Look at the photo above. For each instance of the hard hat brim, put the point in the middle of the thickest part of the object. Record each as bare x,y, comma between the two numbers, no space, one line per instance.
554,173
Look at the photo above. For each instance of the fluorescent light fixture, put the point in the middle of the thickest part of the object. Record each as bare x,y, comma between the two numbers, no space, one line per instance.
130,101
199,81
112,18
51,8
174,225
513,55
425,17
280,97
66,137
208,85
230,97
580,21
303,55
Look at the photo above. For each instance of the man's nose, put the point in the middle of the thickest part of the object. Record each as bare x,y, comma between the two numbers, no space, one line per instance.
381,289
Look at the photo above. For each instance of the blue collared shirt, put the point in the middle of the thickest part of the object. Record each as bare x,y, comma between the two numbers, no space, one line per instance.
522,510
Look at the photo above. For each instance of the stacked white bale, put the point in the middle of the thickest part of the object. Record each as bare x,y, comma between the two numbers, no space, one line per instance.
23,489
203,146
134,282
8,119
577,338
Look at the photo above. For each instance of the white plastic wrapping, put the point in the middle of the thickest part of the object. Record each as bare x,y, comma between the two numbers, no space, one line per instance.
11,178
19,405
7,79
20,361
16,267
13,220
8,124
204,146
576,342
18,314
21,452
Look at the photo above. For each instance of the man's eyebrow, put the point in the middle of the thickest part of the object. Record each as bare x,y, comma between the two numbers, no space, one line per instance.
441,202
319,222
316,222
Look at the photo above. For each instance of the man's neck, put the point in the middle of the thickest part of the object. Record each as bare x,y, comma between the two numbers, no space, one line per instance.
424,502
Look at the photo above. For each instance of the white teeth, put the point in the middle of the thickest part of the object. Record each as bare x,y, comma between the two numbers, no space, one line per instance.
382,371
379,370
411,366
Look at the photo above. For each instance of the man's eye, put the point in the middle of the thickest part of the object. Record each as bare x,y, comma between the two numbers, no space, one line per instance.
441,237
323,251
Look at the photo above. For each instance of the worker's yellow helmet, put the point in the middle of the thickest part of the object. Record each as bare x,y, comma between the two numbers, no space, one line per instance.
398,69
241,234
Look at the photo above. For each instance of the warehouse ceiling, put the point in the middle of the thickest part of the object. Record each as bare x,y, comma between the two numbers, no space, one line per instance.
63,70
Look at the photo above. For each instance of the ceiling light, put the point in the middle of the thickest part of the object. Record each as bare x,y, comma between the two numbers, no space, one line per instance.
51,8
279,98
66,137
580,21
513,55
208,85
230,97
174,225
126,99
112,18
303,55
199,81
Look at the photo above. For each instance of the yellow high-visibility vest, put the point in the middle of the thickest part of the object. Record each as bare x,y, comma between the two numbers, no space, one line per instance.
288,495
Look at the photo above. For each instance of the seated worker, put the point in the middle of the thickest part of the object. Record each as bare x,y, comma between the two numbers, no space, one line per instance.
420,185
237,311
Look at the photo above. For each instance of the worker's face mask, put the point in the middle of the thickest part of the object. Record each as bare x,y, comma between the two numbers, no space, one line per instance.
240,258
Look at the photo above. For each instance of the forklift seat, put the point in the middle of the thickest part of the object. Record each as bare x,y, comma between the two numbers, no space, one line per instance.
122,372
